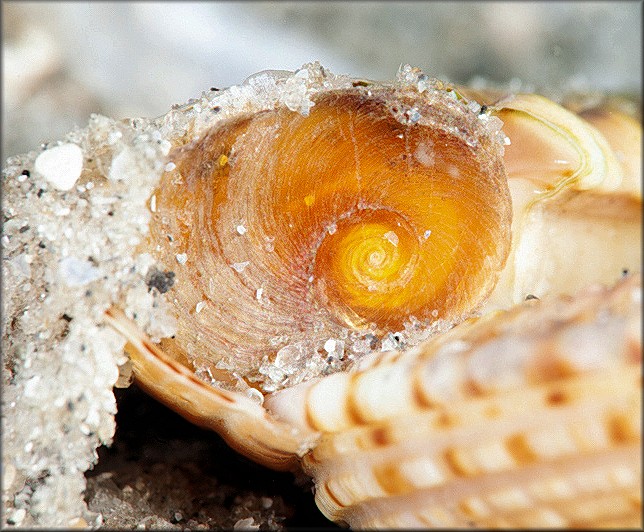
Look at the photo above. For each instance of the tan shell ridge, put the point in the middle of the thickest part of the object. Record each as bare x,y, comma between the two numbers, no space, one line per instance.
533,422
243,424
519,425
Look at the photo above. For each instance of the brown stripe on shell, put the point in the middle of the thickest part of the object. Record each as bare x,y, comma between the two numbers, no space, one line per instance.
391,480
446,420
380,437
353,405
520,450
557,398
594,392
553,491
623,429
547,436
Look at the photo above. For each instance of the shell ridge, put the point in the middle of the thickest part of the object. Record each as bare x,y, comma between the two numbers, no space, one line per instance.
266,440
463,501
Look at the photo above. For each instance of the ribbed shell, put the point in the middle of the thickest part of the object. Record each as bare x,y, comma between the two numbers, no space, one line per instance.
527,418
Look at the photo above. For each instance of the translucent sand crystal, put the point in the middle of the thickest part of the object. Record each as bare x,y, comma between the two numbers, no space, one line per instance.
74,212
68,241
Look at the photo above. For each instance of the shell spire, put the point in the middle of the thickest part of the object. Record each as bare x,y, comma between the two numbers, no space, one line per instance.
378,206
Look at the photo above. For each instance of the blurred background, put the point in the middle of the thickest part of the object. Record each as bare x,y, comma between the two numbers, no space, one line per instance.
65,60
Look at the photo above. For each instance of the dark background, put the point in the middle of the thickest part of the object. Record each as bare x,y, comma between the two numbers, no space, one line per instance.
65,60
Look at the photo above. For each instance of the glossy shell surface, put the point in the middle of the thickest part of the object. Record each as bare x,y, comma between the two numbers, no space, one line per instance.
380,206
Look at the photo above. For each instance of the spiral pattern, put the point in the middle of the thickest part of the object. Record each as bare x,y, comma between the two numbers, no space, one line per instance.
379,206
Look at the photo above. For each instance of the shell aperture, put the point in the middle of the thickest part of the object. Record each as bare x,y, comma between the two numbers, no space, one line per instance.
380,206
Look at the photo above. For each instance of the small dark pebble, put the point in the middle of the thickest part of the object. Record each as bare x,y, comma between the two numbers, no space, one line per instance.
67,317
23,229
530,296
373,340
26,172
162,281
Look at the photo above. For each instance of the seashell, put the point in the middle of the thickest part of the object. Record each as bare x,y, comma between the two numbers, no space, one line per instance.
350,218
530,418
350,266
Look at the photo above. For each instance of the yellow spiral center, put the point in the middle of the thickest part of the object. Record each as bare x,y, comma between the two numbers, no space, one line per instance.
364,268
369,258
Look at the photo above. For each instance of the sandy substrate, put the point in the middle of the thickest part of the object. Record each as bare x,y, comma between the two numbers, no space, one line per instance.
162,472
73,214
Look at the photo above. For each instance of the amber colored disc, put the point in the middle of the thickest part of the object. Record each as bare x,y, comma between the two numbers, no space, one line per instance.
350,217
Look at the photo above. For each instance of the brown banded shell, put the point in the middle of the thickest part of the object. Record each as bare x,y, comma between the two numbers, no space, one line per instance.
363,209
528,418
